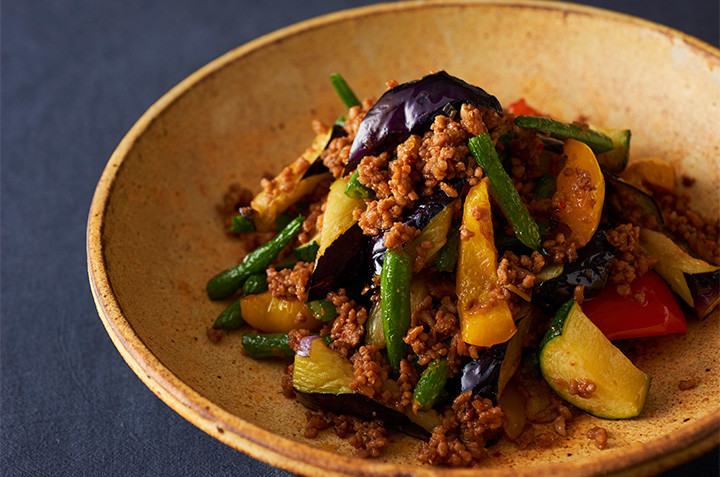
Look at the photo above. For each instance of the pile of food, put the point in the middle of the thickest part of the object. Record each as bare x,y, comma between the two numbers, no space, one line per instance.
436,265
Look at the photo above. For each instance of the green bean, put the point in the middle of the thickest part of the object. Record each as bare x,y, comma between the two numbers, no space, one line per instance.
395,298
255,284
431,384
229,281
268,345
322,309
598,142
230,318
504,191
343,90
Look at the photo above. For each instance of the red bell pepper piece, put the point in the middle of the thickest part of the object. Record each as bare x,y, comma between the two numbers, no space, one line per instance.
521,108
649,310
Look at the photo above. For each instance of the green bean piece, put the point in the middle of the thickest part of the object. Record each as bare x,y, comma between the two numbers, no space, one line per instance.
322,309
395,298
504,191
431,384
269,345
598,142
356,189
447,256
229,281
343,90
240,223
255,284
230,318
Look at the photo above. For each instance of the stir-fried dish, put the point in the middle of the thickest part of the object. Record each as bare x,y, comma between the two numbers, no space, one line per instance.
440,266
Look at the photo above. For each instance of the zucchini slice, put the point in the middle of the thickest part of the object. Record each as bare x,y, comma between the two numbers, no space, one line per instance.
587,371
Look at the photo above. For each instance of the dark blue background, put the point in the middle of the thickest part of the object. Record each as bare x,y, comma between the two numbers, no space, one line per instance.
76,74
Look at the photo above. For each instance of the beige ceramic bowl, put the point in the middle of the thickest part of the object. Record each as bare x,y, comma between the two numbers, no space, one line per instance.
154,237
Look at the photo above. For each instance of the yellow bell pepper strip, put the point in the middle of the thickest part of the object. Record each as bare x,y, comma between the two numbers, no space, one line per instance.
484,320
580,192
275,315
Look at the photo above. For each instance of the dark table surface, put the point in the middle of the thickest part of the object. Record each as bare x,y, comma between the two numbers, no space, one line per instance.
76,74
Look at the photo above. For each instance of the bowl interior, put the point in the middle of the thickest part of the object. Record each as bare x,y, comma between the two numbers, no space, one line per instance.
155,236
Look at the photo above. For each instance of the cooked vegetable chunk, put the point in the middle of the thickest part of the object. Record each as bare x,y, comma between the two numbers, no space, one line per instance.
580,192
586,370
484,320
275,315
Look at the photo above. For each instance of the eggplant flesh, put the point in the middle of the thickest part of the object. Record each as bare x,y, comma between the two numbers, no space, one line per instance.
364,408
317,167
591,270
411,107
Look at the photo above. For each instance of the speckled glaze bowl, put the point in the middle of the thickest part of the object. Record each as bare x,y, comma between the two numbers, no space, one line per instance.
154,237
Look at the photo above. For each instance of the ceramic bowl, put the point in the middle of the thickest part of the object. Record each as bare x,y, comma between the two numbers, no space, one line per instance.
154,237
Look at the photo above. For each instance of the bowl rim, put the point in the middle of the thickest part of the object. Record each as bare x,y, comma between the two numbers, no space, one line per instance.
654,456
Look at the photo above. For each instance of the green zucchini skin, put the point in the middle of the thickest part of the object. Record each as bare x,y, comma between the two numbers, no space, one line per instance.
584,368
307,252
395,299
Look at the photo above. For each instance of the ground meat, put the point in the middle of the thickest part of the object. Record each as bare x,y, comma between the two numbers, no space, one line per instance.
404,172
373,174
599,436
290,283
295,336
581,387
560,248
336,154
215,335
313,221
286,382
369,438
443,152
701,234
517,274
631,260
689,383
399,235
235,198
348,327
471,120
371,371
460,440
379,215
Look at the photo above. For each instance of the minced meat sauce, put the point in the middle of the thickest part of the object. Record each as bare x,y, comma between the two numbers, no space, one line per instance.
417,167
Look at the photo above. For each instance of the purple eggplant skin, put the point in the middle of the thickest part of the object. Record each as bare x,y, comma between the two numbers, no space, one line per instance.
411,107
481,375
341,265
363,407
591,270
705,290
